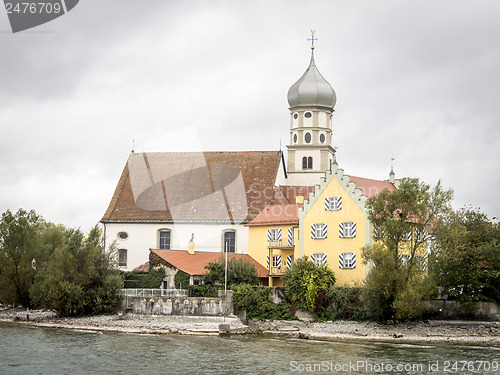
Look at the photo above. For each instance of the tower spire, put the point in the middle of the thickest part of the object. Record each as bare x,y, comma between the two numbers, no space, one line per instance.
312,39
392,175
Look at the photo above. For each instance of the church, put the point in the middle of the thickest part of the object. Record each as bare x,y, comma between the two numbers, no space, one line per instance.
213,201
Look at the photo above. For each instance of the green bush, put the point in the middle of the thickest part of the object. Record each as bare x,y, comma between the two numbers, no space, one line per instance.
239,271
307,285
181,280
154,278
346,304
206,290
257,302
132,280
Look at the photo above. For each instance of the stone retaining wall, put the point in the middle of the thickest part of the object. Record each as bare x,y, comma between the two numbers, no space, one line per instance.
446,309
189,306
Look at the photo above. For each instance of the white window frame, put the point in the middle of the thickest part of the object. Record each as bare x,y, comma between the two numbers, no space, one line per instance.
274,235
334,203
165,230
224,241
348,261
120,254
348,229
317,261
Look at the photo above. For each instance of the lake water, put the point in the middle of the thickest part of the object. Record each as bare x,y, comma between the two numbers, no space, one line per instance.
26,351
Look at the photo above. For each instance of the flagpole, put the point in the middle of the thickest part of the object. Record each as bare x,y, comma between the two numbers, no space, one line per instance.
225,274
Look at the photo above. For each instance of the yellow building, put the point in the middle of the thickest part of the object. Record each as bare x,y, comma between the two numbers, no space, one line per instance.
335,225
330,227
272,237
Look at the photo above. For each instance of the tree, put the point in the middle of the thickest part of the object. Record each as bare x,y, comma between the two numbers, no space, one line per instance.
20,244
239,271
181,280
467,250
307,285
80,277
401,218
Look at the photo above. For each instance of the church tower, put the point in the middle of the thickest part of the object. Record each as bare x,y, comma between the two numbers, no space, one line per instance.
310,152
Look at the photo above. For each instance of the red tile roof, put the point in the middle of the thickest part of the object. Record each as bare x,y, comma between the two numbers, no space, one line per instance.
371,187
194,264
143,268
194,187
277,215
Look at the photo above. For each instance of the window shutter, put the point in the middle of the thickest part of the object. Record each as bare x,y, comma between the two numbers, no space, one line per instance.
353,260
353,229
324,231
268,262
289,261
327,204
278,260
290,236
341,260
323,259
339,203
278,235
341,230
269,235
409,237
313,258
313,231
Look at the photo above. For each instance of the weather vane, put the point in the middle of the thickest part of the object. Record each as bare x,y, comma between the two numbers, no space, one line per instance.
312,39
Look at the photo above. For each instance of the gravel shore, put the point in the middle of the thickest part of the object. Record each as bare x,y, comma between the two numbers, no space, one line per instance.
463,332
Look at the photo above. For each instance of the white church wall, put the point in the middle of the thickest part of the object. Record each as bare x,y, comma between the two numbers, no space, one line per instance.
144,236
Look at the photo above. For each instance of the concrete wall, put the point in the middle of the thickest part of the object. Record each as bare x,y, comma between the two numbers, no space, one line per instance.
187,306
445,309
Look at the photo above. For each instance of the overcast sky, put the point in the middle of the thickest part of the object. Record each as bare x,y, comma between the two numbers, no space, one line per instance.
418,80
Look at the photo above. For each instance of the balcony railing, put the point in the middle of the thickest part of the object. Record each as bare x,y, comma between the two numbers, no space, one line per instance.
154,292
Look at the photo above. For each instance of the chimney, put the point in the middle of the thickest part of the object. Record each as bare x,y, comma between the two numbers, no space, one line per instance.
191,248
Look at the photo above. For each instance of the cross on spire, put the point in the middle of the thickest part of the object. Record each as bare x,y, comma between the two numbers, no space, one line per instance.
312,39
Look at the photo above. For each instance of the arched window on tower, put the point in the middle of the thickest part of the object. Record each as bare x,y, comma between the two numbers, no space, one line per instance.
310,162
304,162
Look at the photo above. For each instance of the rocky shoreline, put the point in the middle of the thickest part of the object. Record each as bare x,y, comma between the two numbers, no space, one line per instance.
456,332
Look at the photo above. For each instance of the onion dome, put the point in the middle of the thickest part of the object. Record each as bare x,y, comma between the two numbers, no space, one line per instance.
312,89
